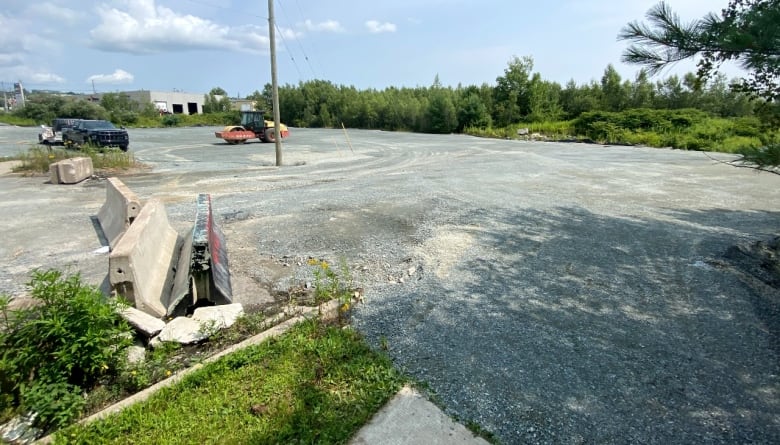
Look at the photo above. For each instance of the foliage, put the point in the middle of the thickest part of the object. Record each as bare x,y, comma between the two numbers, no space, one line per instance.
214,104
68,340
332,285
37,159
315,384
764,157
170,120
746,32
12,119
57,404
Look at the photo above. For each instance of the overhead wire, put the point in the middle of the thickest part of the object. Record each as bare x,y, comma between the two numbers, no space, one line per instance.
300,45
300,11
284,42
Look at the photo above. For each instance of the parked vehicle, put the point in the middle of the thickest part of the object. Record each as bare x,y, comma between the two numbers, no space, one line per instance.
253,125
53,135
99,133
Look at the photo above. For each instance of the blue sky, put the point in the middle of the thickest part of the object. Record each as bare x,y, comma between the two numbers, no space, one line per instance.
195,45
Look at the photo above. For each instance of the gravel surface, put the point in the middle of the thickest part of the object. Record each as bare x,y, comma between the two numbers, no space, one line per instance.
551,293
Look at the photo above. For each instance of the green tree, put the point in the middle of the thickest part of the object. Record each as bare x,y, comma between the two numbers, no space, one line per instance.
642,91
614,92
42,108
747,32
576,99
472,111
544,100
441,116
511,94
83,109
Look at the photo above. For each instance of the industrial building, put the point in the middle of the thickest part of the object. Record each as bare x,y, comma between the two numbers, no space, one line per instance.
175,102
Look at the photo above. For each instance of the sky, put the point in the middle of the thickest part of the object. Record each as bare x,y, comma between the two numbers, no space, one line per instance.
196,45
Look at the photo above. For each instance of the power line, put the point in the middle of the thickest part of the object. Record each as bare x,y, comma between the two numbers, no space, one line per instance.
300,45
284,42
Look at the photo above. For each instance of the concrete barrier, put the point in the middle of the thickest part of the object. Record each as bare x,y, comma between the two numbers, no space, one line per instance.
118,212
70,171
141,266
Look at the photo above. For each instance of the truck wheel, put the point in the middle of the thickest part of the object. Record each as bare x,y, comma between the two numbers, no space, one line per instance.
269,135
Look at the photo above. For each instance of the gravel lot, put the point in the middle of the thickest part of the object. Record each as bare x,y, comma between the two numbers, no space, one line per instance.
552,293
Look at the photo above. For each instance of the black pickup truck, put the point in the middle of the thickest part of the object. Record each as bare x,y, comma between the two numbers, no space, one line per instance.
95,132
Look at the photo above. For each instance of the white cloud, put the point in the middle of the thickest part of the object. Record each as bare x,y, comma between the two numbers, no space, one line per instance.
43,77
375,27
326,26
143,27
118,76
10,60
56,13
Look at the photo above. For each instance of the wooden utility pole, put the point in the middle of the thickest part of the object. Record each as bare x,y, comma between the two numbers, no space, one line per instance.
274,83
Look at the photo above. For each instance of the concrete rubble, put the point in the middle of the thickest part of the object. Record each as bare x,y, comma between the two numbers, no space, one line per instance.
204,323
143,323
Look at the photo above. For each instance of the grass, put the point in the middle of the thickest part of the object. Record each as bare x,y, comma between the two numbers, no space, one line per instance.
315,384
37,159
679,129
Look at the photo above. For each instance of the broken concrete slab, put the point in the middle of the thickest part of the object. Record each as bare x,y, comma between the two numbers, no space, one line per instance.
181,330
143,323
119,210
141,266
218,317
70,171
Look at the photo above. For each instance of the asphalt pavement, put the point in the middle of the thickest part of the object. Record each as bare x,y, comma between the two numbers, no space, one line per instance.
549,292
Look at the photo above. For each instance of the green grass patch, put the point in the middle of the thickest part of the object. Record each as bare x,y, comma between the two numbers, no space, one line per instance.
37,159
12,119
315,384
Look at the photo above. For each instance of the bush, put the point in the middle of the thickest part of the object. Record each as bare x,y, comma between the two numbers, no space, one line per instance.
170,120
57,404
70,339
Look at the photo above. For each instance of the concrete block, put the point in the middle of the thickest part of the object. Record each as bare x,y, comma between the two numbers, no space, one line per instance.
141,266
70,171
181,330
54,173
119,211
218,317
143,323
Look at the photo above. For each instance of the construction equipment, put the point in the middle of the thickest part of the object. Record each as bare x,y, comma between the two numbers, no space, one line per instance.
253,125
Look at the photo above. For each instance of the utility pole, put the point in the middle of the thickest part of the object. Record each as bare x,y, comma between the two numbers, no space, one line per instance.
274,83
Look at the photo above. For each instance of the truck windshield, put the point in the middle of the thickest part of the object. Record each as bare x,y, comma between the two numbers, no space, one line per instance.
97,125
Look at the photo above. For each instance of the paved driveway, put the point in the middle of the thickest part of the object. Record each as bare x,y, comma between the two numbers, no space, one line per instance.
552,293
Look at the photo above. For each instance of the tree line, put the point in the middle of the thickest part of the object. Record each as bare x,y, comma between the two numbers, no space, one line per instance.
519,95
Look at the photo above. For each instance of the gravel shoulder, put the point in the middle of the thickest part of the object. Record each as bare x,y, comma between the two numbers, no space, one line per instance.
552,293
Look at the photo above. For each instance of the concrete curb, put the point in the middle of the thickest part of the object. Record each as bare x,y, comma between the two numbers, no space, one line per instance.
327,310
410,419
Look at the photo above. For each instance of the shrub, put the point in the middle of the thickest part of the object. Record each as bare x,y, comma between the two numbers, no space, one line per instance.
57,404
170,120
71,338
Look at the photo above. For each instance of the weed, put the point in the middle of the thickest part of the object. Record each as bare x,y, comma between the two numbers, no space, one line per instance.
52,350
56,403
38,159
330,285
